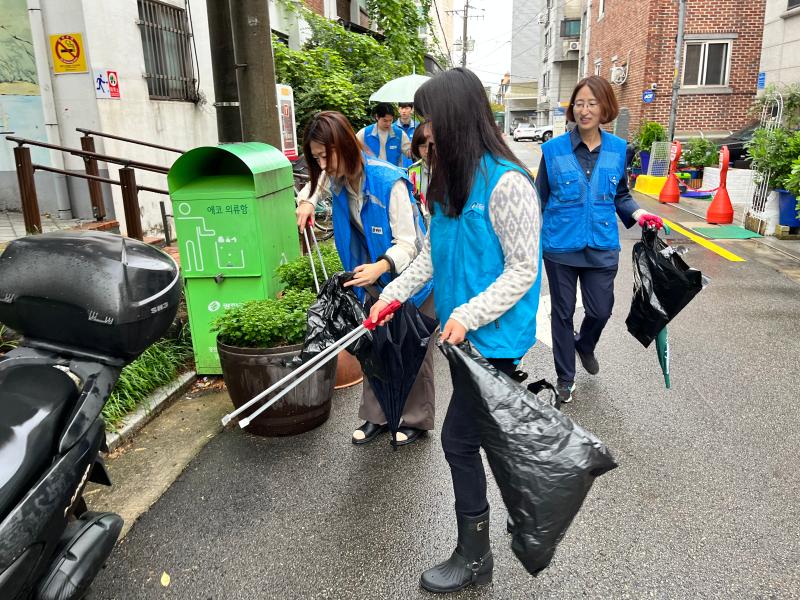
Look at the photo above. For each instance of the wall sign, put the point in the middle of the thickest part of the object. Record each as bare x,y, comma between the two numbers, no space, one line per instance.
648,96
762,80
69,55
106,83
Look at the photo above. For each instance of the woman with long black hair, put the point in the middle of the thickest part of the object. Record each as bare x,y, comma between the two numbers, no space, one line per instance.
482,254
378,231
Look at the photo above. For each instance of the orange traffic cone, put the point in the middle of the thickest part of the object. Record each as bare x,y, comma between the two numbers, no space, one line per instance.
670,193
720,212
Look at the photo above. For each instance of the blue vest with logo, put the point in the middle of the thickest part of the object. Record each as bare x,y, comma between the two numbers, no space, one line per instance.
356,249
394,143
581,212
467,258
409,131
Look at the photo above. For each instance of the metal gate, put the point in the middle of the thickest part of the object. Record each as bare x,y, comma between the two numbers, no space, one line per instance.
771,118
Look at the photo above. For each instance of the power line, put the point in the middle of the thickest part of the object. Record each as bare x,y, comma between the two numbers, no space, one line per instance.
444,34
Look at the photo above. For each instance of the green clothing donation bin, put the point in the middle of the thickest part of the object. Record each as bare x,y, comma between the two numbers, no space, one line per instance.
234,217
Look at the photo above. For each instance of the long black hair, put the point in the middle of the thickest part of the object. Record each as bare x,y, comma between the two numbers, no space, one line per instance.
464,130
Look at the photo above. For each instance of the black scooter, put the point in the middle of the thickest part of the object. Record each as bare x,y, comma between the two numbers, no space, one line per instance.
86,305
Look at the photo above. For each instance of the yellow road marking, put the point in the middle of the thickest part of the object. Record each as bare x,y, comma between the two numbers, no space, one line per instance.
703,242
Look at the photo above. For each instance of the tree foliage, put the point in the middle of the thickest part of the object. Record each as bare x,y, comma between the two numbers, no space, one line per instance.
339,69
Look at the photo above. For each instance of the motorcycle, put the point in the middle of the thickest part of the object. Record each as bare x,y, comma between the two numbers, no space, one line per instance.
86,305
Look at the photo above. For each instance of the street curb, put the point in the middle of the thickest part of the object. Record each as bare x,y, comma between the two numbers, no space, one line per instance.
155,402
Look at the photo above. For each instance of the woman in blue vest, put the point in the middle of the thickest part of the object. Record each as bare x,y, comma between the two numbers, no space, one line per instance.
483,256
583,188
378,231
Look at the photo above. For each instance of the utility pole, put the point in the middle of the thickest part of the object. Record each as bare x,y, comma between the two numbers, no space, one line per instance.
226,92
465,41
464,38
676,79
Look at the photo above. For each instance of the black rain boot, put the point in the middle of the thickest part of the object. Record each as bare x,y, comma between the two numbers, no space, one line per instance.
471,561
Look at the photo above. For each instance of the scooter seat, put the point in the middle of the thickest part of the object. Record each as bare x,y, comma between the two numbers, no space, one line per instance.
34,400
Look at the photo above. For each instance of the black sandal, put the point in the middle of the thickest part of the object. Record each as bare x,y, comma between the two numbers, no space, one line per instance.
412,435
370,431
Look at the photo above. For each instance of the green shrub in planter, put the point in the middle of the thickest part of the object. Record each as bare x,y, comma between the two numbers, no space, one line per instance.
700,152
266,323
792,183
774,150
297,274
649,132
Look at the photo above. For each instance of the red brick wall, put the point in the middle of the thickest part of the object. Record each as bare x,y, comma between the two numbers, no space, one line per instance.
648,28
318,6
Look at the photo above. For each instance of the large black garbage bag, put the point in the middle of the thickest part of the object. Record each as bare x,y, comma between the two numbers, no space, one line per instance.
543,462
662,285
397,351
336,312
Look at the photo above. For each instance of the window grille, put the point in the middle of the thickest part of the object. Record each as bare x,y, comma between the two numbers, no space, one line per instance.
793,4
167,44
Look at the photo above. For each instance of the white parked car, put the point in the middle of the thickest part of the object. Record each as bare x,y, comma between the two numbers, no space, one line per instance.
534,133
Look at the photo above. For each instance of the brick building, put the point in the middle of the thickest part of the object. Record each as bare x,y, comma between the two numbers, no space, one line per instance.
722,49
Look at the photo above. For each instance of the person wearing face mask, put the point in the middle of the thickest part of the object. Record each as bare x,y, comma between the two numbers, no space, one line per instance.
378,231
384,138
583,187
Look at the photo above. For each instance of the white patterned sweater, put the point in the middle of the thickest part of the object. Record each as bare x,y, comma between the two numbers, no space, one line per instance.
516,219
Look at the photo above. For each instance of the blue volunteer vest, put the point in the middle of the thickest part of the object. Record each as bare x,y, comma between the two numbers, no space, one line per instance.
409,131
467,258
581,212
394,143
355,249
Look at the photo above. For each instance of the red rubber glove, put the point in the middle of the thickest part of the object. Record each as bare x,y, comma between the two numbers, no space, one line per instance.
650,221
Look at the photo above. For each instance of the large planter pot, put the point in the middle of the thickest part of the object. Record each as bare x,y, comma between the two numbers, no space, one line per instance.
249,371
348,371
787,209
644,159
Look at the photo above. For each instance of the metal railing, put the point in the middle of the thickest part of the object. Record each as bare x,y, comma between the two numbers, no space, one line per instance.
127,180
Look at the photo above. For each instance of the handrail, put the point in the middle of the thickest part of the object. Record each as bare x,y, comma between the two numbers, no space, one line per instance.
85,154
88,132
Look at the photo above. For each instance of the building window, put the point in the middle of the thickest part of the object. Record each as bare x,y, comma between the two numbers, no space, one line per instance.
547,39
598,68
167,44
601,9
706,64
571,28
793,4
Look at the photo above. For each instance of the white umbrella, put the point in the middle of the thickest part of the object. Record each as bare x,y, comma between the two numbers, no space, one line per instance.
401,89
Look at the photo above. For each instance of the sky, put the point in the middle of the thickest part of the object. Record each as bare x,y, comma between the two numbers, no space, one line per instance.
492,34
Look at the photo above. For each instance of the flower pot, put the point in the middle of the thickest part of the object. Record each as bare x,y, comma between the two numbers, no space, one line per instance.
348,371
644,159
249,371
787,209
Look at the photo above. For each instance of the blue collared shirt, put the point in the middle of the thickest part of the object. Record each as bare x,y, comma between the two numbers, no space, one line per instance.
587,159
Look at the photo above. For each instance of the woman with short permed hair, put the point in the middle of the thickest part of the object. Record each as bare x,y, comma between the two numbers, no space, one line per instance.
583,188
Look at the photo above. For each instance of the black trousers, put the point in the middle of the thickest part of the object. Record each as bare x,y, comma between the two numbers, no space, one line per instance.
597,291
461,442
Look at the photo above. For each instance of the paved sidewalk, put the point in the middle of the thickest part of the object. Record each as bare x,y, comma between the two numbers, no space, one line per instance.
12,225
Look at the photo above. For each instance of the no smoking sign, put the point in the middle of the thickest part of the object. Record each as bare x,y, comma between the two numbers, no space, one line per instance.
68,53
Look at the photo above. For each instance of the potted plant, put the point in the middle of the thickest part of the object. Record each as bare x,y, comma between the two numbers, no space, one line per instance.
697,154
773,153
258,342
649,132
297,275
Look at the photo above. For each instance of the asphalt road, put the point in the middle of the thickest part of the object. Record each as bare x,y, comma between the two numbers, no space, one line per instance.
703,505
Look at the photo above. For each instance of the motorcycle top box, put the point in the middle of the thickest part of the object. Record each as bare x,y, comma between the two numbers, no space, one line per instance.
92,292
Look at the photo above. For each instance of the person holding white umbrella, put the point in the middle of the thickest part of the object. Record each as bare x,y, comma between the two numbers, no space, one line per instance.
384,138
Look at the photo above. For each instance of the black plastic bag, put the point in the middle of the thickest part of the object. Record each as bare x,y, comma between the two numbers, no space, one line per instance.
543,462
336,312
662,285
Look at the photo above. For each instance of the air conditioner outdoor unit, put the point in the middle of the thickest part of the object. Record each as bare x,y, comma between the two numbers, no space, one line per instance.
574,46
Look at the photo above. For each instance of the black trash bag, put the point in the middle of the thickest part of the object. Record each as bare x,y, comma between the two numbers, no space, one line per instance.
543,462
396,353
662,285
336,312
